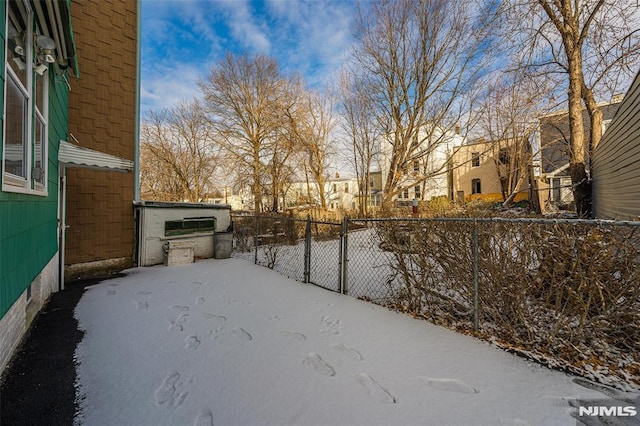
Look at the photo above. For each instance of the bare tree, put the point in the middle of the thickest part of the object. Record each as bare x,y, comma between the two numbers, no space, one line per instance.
313,126
417,58
591,45
243,98
506,117
360,127
179,158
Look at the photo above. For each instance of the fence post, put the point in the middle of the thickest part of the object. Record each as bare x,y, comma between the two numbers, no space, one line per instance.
345,257
340,258
476,303
255,240
307,251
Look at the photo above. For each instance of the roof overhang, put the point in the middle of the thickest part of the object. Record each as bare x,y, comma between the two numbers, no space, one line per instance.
77,156
560,171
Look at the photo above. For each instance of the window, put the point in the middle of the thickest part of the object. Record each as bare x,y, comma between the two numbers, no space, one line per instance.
475,186
24,147
405,194
346,187
416,166
475,159
189,226
335,188
418,193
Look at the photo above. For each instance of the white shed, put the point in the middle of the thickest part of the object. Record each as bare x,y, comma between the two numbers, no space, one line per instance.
160,222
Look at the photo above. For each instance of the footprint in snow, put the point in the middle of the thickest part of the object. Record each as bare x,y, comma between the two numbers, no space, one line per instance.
318,364
191,343
167,389
293,335
214,317
200,300
167,394
180,308
241,334
179,322
142,305
350,352
174,326
144,293
376,391
451,385
332,325
205,418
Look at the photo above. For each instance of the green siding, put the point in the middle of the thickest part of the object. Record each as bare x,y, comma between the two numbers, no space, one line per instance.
28,223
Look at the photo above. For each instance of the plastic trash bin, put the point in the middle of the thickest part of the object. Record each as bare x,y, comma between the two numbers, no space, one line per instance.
223,245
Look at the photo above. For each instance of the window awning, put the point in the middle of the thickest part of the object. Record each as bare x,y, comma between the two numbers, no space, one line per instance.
77,156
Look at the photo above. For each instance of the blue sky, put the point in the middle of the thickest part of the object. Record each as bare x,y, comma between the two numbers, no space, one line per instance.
183,39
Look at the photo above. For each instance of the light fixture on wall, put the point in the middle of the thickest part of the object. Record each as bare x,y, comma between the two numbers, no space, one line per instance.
19,47
20,63
17,39
40,69
45,46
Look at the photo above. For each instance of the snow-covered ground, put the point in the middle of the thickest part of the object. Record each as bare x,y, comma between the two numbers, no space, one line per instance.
225,342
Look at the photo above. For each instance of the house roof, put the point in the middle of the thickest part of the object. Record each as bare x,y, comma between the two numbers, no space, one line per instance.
554,136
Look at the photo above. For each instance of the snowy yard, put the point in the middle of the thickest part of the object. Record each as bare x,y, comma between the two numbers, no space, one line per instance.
226,342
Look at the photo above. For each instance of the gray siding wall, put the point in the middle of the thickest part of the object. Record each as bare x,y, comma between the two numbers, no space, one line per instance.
616,163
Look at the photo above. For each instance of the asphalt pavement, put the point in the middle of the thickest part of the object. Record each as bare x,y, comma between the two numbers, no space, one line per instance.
37,386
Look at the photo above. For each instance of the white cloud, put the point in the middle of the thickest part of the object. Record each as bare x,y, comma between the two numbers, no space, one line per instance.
183,39
165,87
244,26
316,36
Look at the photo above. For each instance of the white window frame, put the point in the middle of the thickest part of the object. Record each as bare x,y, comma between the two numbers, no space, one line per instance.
42,116
11,182
475,159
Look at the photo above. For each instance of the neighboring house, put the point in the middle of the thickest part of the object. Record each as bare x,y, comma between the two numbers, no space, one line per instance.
426,177
374,195
301,193
41,52
480,171
226,195
552,137
615,167
342,193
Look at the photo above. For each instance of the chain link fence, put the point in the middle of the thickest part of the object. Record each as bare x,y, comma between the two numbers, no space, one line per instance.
565,292
303,250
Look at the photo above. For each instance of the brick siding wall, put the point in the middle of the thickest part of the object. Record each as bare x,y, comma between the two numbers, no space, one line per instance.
102,117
